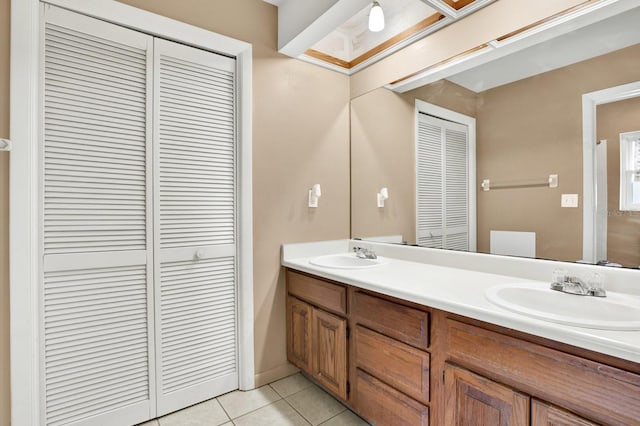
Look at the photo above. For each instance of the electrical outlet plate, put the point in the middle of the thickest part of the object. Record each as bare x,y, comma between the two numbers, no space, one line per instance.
569,200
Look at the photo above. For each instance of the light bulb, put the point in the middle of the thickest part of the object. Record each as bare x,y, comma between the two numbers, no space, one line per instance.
376,18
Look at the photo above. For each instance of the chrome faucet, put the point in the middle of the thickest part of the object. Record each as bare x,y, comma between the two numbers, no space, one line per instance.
574,285
364,253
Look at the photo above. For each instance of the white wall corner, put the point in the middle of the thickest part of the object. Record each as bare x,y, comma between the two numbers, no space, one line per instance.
303,24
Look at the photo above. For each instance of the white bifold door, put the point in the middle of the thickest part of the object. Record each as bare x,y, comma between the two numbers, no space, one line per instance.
442,184
138,224
195,245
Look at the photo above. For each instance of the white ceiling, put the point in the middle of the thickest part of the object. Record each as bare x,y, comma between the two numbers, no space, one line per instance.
602,37
274,2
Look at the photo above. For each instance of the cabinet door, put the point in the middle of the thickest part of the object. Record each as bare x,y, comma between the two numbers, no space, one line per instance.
472,400
299,333
330,351
543,414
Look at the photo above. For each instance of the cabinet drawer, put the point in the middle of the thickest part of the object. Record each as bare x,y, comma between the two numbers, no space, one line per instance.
399,365
596,391
401,322
332,297
383,405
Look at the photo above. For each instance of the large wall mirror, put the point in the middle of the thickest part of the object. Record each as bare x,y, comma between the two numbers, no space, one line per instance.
526,110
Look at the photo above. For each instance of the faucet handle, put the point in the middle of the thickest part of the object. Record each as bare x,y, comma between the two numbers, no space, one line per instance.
596,285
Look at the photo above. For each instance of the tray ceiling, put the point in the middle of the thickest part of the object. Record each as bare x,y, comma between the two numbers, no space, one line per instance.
342,40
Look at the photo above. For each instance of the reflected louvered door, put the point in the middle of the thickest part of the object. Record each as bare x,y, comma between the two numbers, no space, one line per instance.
97,327
442,184
195,242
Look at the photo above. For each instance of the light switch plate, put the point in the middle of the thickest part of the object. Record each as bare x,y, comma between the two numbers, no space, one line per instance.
569,200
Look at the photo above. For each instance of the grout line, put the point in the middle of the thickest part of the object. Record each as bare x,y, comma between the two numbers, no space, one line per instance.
223,409
248,412
294,409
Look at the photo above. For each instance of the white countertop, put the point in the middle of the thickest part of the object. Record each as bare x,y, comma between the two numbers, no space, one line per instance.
459,291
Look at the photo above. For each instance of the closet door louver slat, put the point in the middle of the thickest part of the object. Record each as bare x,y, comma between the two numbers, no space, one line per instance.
96,321
442,188
457,193
195,225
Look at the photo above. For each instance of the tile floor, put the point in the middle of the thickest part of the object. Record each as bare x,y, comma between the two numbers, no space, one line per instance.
293,400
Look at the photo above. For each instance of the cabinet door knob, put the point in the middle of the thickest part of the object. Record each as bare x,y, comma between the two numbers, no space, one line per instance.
199,254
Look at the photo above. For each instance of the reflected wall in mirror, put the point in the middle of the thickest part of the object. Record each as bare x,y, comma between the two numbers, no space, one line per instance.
526,129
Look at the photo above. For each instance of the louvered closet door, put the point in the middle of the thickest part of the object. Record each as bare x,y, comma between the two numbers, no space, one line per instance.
442,184
195,225
96,323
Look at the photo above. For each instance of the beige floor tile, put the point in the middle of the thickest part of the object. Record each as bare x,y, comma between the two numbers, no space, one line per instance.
346,418
277,414
208,413
238,403
315,405
290,385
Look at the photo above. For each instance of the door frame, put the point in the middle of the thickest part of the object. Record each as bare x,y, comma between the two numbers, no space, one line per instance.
24,205
465,120
590,102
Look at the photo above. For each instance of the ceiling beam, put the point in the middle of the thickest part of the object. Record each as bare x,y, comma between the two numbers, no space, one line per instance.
301,24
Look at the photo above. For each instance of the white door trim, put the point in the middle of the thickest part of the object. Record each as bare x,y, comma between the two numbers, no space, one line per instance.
25,264
470,122
590,101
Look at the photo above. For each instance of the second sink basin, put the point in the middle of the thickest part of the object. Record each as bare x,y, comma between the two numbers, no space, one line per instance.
614,312
346,261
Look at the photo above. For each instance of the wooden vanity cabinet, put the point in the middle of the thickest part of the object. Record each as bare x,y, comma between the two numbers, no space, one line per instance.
317,330
398,363
589,392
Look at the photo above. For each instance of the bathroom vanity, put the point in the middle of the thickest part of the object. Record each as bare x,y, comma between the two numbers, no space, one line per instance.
401,361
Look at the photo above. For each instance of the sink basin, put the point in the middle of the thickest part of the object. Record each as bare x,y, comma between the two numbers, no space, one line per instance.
614,312
346,261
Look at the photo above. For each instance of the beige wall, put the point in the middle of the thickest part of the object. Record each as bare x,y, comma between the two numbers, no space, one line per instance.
5,402
623,228
383,155
300,137
530,129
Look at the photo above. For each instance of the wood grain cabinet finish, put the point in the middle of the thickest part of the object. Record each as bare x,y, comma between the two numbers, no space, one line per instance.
598,392
401,322
326,295
471,374
330,351
401,366
299,333
472,400
384,406
543,414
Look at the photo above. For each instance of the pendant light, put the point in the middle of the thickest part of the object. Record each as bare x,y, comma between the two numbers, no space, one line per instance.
376,18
